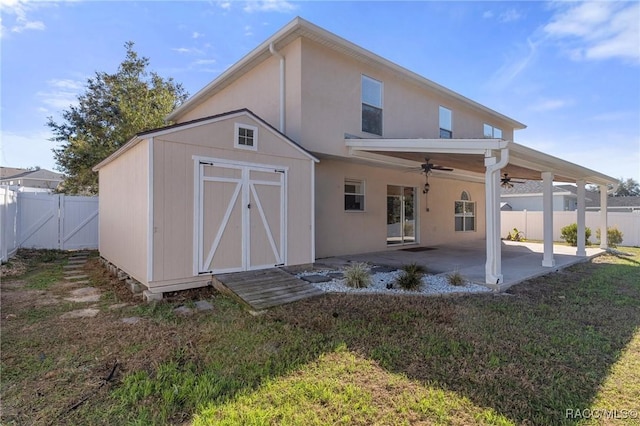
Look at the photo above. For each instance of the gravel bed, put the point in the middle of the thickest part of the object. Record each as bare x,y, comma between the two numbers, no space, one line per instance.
431,284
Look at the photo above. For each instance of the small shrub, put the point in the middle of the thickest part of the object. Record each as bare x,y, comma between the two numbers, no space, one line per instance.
614,236
357,275
456,278
411,276
515,235
569,233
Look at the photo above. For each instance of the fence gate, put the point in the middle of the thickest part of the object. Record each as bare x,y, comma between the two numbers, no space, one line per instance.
53,221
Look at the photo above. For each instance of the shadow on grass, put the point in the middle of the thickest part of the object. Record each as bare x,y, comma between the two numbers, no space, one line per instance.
529,355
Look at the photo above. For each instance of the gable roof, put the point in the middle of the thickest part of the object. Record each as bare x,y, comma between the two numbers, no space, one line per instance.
38,174
299,27
614,201
199,122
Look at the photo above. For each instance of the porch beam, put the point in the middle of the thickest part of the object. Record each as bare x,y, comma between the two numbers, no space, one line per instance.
580,219
441,146
547,219
604,244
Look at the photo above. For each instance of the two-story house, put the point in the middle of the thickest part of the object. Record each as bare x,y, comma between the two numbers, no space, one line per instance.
311,146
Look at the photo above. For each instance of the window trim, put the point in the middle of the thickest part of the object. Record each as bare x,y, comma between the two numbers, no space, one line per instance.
236,137
493,131
362,184
364,77
444,129
464,215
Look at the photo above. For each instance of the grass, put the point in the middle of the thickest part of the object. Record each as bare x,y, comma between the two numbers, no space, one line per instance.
570,340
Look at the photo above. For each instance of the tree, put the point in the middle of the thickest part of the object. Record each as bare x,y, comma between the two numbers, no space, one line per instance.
627,188
113,108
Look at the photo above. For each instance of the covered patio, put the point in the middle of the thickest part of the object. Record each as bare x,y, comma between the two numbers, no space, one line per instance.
520,260
487,161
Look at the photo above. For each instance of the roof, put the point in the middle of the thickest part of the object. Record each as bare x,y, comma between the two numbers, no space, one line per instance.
535,187
615,201
37,174
299,27
198,122
10,171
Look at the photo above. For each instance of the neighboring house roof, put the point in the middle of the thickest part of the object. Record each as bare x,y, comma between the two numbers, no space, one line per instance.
615,201
299,27
10,171
40,178
534,187
198,122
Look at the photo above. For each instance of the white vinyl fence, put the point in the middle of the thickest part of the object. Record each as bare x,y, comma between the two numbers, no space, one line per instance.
530,223
49,221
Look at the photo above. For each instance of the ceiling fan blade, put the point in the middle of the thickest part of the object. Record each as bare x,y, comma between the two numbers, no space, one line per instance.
446,169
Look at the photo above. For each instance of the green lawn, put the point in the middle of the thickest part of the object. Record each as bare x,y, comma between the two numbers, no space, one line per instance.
548,352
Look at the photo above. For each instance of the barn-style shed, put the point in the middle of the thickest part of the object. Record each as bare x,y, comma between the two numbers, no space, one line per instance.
220,194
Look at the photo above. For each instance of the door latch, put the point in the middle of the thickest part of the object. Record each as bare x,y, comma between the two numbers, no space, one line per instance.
249,205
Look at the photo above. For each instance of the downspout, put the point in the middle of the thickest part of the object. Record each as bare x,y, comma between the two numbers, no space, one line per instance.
493,266
282,92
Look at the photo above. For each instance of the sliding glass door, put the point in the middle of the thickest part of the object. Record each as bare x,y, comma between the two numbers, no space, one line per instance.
401,220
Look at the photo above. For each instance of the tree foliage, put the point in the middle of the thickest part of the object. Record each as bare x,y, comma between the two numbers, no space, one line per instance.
112,109
626,188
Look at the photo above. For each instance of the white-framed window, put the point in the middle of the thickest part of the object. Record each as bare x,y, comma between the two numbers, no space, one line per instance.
353,195
446,123
465,213
371,99
246,137
492,132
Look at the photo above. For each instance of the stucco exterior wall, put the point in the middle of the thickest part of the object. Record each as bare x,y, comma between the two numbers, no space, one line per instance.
173,197
331,104
259,91
340,232
123,207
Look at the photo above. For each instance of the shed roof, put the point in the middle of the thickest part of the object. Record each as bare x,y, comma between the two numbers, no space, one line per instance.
199,122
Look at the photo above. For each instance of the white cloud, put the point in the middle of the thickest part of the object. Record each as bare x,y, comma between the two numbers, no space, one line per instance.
510,15
598,30
487,14
515,66
550,105
248,31
204,62
196,34
226,5
21,22
60,94
188,50
281,6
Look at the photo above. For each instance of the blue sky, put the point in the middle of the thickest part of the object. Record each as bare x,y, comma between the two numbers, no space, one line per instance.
569,70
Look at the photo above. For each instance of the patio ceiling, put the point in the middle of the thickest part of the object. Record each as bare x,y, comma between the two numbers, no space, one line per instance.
468,155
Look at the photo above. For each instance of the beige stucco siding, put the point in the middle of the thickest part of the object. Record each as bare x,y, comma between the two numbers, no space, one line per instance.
123,209
331,104
174,192
259,91
341,232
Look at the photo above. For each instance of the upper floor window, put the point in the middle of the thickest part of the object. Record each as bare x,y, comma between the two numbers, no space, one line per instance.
492,132
371,106
446,128
246,136
353,195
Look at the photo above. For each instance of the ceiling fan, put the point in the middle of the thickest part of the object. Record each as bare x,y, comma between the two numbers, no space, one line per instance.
427,167
507,182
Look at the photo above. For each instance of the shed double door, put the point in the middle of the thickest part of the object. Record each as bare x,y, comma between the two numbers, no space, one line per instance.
241,217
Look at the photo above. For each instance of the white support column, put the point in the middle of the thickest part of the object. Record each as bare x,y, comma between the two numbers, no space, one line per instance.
547,219
493,266
581,251
603,217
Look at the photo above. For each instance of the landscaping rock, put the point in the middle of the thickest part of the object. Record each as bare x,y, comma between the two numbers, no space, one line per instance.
315,278
83,295
382,269
335,275
130,320
117,306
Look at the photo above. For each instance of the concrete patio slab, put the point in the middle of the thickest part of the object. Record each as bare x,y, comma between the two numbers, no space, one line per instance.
520,260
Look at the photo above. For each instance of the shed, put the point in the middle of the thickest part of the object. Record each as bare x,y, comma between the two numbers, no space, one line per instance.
220,194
